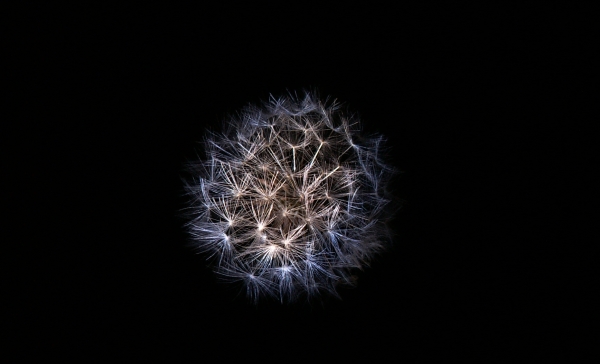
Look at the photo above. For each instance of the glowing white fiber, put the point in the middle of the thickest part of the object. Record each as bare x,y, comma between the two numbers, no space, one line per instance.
289,198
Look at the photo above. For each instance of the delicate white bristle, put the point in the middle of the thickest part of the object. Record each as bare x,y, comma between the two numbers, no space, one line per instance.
289,198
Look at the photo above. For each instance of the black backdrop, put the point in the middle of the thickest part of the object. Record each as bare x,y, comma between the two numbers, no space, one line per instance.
119,98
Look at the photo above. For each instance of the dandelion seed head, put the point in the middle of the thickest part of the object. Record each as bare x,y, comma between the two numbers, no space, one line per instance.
289,198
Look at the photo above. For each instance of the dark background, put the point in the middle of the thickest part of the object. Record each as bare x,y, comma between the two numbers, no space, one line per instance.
470,98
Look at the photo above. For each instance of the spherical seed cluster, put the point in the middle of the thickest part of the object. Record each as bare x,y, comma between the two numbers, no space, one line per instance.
289,199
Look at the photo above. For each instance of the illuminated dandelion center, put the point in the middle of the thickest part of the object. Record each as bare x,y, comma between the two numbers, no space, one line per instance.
289,198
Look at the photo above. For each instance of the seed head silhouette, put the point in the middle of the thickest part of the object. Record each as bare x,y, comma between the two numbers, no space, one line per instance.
290,198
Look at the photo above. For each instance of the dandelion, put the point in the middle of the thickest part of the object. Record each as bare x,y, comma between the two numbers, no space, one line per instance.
289,199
